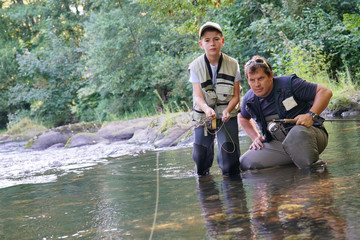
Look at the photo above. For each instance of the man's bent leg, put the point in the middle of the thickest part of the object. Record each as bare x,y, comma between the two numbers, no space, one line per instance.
272,154
304,145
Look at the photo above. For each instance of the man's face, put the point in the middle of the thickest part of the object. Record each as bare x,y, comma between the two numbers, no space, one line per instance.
212,42
260,83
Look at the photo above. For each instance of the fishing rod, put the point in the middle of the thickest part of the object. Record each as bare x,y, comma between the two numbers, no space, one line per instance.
342,120
285,120
330,120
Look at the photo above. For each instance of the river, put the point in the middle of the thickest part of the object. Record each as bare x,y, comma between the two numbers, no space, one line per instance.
128,191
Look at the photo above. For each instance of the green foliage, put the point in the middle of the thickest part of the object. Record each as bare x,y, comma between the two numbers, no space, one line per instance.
52,79
128,57
345,93
24,129
85,109
186,16
49,70
309,63
65,61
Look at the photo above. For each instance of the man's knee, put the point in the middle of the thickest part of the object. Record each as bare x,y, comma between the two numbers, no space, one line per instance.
299,133
301,145
248,161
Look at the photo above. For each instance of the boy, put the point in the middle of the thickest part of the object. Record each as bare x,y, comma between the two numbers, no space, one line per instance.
215,79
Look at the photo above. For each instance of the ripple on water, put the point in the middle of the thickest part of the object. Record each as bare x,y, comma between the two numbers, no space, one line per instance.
24,166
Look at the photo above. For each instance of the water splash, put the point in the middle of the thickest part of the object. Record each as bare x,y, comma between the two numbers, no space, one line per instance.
24,166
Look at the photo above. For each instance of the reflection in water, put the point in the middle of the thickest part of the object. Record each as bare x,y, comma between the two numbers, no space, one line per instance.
227,219
277,203
286,201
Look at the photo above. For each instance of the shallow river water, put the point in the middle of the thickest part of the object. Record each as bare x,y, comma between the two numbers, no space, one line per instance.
127,191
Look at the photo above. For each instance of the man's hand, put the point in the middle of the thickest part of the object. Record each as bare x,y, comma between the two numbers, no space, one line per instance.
304,119
257,143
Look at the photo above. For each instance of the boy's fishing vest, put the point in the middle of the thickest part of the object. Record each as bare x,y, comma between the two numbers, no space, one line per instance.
219,95
282,90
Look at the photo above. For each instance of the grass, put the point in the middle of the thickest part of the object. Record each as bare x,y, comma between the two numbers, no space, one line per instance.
25,129
345,93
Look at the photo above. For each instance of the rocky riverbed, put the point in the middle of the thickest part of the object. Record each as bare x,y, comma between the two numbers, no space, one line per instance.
165,130
160,131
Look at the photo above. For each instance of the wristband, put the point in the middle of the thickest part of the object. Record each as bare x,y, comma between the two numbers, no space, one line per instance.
314,116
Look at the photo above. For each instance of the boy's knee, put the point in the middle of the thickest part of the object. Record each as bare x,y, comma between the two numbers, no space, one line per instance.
229,164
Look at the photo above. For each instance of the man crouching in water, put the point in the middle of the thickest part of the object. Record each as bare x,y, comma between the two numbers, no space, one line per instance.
287,97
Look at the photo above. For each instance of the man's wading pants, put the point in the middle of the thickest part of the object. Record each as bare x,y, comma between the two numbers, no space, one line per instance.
228,144
301,146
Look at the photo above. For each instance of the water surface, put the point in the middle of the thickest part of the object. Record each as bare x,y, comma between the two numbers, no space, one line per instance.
120,191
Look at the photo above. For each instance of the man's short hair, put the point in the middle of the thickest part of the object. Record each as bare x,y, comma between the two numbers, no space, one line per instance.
255,63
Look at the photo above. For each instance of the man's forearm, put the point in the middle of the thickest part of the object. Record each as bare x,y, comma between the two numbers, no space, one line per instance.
321,100
249,127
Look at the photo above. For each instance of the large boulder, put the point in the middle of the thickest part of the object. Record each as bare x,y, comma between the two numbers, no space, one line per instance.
175,128
82,139
172,138
123,130
47,139
60,135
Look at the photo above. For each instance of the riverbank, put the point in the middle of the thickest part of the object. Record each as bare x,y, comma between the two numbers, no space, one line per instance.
163,130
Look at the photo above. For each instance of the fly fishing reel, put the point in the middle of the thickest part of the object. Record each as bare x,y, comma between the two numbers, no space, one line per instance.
211,124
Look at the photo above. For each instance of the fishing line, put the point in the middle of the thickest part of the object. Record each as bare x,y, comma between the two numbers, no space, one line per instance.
342,120
215,133
157,195
232,141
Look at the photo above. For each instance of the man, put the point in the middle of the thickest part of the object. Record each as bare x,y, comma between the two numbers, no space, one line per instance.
215,79
286,97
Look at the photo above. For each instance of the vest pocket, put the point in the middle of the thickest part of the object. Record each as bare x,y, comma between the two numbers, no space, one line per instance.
210,98
224,92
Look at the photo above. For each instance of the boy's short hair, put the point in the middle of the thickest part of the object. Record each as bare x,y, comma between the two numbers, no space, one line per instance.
209,26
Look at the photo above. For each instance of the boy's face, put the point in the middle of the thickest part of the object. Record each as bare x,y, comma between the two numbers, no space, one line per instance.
212,42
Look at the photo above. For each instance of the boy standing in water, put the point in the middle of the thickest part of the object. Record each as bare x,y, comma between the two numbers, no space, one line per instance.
215,79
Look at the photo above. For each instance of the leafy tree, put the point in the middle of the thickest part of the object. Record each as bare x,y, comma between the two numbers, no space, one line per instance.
278,29
63,61
128,55
48,35
52,81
